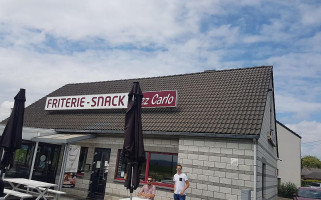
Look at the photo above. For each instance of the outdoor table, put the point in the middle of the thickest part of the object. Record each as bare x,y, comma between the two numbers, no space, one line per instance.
16,182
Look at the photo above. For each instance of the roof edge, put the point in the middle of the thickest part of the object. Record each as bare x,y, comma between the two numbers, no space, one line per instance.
210,135
288,129
171,75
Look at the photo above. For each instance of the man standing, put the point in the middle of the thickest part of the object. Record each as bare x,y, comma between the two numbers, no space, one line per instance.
148,191
181,184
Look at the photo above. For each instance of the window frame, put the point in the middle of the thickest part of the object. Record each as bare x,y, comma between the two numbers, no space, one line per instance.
146,169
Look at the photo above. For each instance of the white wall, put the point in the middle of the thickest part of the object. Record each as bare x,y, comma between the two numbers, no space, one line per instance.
290,154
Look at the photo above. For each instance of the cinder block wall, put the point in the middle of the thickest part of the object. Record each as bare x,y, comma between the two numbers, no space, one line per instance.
207,163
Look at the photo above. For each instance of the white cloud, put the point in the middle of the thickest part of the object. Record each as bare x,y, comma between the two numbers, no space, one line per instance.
311,14
5,109
310,132
301,109
174,28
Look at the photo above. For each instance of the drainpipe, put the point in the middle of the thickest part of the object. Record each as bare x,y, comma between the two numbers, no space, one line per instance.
255,169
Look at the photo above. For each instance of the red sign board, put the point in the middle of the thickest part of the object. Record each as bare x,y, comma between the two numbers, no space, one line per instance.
159,99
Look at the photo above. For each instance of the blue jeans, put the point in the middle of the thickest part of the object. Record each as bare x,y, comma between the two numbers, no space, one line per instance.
179,197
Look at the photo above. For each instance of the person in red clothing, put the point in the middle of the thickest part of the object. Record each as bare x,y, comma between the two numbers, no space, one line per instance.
148,191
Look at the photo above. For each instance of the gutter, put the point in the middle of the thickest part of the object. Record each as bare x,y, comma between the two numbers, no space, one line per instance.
118,132
255,169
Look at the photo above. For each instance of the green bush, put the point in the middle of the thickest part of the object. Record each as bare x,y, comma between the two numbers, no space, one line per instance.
308,182
287,190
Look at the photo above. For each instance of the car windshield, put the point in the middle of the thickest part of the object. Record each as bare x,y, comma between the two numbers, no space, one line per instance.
314,194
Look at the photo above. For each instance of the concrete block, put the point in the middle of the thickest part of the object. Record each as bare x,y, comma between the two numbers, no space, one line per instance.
201,186
197,191
197,171
220,174
232,145
215,150
227,181
203,177
225,190
187,162
203,149
238,182
198,162
213,188
208,193
199,143
219,195
245,146
226,151
220,165
214,158
209,164
189,142
203,157
192,156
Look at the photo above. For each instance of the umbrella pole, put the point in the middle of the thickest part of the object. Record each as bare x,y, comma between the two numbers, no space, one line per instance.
2,169
131,183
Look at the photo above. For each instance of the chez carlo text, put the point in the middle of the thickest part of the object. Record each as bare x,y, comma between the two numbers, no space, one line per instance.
107,101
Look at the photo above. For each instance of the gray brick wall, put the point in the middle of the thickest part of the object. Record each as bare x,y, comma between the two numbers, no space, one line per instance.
207,163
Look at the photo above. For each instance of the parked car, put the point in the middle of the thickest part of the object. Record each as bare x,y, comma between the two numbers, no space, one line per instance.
317,185
307,193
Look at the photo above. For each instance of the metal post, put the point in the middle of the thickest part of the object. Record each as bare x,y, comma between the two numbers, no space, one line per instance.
1,172
255,168
63,167
131,184
34,159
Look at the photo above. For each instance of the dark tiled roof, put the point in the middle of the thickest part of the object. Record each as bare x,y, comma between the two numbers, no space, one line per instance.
311,173
222,102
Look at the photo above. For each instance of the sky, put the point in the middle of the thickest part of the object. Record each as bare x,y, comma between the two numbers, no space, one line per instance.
47,44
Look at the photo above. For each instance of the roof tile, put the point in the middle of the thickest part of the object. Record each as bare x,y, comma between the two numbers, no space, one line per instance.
220,102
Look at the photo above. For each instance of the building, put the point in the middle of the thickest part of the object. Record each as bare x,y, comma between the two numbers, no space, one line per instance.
220,125
311,173
289,163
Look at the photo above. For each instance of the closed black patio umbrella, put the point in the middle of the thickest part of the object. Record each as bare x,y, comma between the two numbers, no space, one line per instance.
12,135
133,149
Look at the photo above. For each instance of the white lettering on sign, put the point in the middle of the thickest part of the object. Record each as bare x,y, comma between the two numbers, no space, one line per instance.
98,101
111,101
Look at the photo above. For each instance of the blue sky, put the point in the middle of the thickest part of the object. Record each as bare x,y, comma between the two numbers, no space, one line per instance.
47,44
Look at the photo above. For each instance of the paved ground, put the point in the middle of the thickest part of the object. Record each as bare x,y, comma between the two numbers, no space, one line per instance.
72,198
69,198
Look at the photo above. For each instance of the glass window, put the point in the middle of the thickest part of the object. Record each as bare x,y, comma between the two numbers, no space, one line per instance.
22,161
82,160
122,168
161,166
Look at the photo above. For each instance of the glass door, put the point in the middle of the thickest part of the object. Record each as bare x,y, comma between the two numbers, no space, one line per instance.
46,162
99,173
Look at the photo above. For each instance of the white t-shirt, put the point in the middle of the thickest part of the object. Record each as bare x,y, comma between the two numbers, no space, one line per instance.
179,182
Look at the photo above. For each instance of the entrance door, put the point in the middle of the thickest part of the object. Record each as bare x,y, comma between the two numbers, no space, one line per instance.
46,162
99,173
